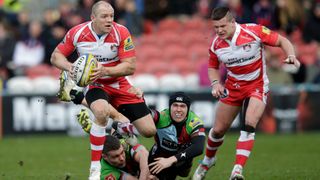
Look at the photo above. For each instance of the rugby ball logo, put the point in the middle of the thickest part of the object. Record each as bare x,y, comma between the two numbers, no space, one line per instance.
82,70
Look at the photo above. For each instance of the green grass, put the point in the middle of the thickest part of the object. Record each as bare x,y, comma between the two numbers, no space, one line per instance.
289,157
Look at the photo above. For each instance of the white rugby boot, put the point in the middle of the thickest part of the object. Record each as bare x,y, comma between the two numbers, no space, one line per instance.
236,173
66,84
202,170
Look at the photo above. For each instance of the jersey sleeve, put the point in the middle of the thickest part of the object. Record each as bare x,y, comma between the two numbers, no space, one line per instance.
126,47
135,149
66,46
213,60
196,127
155,115
267,36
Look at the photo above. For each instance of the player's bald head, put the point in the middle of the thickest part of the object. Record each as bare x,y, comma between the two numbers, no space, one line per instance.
98,5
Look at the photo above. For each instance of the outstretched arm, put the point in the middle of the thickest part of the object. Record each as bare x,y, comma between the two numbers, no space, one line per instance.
141,157
288,48
195,149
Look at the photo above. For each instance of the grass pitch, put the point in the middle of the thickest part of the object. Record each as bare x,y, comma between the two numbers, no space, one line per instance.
59,157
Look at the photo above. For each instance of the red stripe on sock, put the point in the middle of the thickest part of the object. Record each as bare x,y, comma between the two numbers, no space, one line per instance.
243,145
246,145
240,159
95,155
98,141
212,144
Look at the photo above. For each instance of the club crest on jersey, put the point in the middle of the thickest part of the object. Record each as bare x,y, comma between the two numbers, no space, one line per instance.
128,44
113,47
247,47
110,177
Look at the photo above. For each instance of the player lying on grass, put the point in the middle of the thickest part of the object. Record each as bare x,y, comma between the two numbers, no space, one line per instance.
122,159
180,137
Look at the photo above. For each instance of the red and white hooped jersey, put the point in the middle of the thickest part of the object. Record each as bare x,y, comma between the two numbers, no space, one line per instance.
108,49
243,55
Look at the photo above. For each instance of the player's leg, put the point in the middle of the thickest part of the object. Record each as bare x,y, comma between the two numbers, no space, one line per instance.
225,114
98,104
253,110
140,116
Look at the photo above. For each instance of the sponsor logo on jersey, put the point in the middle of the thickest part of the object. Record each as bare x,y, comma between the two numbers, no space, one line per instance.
194,122
104,59
266,30
238,61
128,44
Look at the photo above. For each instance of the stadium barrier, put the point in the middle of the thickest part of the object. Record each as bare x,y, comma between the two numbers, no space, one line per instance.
287,111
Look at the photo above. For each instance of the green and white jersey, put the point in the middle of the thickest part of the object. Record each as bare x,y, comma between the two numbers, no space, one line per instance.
109,172
174,136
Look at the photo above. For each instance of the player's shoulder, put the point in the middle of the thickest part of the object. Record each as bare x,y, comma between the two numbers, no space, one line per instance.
250,25
78,27
119,27
218,43
253,27
193,121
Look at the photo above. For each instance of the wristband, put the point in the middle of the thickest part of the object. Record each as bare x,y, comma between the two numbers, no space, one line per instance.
214,82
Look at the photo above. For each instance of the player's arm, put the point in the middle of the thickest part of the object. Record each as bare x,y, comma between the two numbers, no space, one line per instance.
63,50
214,75
195,149
60,61
141,156
125,68
288,48
126,176
197,144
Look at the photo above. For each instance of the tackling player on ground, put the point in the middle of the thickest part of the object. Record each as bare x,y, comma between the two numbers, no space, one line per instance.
122,160
180,137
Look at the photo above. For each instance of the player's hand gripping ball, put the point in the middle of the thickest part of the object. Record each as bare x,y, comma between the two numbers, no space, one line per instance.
82,69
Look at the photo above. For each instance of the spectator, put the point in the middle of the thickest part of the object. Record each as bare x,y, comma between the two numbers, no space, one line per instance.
288,15
29,52
312,26
84,9
263,12
7,44
241,13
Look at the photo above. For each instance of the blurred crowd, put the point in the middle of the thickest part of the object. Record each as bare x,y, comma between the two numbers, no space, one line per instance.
26,41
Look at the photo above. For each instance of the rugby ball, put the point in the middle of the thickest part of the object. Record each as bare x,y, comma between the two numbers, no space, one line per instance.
82,69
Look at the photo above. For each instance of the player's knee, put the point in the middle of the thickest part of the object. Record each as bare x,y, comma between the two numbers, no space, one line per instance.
100,112
148,132
217,134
